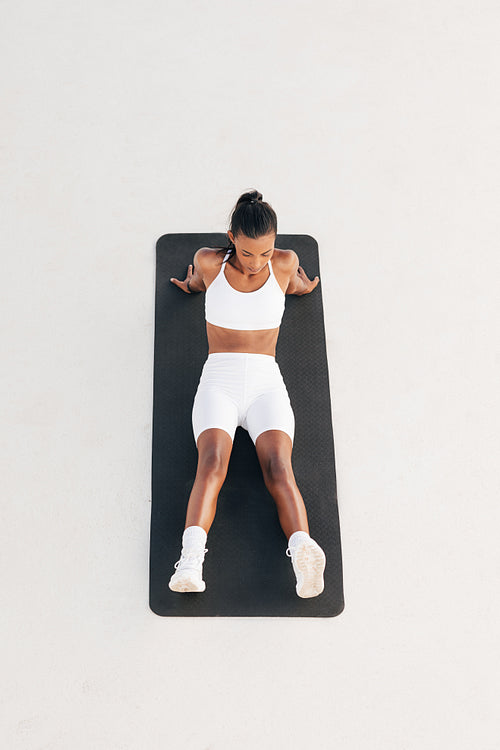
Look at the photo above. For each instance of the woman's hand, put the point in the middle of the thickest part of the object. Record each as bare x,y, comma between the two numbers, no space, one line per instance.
309,284
184,284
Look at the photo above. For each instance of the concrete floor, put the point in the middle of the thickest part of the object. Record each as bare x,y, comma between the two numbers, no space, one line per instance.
372,126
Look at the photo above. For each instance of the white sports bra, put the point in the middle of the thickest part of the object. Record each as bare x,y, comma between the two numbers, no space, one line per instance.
244,311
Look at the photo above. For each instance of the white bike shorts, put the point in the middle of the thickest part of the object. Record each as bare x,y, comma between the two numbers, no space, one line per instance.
240,388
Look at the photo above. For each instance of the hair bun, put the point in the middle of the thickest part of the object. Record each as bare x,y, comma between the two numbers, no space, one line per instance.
253,223
251,196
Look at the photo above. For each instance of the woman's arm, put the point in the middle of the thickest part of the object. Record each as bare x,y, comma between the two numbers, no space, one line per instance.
299,282
194,279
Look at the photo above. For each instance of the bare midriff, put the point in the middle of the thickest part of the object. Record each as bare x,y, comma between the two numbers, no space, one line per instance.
251,342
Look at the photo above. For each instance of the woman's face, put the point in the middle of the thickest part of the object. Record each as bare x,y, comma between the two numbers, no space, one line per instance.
253,254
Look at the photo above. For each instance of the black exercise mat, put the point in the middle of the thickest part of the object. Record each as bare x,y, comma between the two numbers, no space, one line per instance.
246,570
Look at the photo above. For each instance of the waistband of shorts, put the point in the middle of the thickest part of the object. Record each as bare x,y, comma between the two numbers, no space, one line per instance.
240,355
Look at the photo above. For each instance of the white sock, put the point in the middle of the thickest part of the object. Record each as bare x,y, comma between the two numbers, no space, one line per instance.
298,537
194,536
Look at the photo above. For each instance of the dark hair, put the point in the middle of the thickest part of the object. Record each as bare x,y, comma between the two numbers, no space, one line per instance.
252,217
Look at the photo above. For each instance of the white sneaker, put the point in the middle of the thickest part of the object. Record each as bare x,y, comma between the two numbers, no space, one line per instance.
188,572
308,560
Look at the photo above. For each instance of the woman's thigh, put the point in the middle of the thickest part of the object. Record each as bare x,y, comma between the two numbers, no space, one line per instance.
212,408
271,411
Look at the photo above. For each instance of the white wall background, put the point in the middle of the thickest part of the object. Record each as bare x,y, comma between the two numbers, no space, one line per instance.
372,126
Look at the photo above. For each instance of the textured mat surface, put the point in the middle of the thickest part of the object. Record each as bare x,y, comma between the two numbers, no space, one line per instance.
246,570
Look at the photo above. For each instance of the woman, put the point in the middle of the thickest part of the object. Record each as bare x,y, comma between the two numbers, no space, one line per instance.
241,384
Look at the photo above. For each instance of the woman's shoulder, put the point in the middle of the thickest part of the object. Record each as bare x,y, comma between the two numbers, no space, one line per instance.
213,256
285,259
209,256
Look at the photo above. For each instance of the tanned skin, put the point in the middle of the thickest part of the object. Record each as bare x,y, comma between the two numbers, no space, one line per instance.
246,271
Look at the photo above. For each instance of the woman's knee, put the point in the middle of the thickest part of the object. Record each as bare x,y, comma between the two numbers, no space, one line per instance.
277,469
214,451
274,450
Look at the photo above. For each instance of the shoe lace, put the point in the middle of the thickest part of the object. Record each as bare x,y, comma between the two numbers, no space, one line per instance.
193,556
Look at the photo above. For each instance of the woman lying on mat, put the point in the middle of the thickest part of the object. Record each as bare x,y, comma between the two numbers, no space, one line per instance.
245,285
